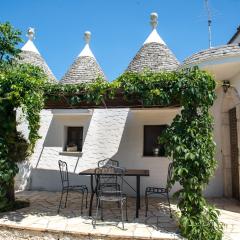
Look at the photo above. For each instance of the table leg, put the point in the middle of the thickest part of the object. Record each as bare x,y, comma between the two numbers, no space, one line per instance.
92,195
138,201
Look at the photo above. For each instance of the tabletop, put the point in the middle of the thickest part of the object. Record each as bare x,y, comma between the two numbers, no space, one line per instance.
129,172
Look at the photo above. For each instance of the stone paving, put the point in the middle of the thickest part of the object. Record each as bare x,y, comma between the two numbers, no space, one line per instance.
230,216
41,221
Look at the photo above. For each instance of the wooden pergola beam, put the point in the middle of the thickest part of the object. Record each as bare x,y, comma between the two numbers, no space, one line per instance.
114,103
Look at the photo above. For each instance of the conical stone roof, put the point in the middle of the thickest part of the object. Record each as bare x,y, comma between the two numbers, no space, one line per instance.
31,55
85,68
154,55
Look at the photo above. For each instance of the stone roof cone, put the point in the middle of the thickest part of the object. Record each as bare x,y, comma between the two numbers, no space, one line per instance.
85,68
31,55
154,55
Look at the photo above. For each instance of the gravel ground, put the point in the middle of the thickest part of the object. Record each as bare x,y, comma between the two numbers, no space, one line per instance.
11,234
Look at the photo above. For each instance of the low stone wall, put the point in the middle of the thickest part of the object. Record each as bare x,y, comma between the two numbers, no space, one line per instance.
7,233
21,234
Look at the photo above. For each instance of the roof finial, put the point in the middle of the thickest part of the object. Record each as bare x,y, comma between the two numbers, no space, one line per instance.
31,33
87,37
154,20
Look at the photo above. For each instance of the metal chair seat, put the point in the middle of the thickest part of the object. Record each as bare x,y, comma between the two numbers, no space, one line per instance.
77,187
156,190
112,198
109,185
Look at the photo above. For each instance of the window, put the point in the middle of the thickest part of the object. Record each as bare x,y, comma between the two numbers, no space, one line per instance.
74,139
151,145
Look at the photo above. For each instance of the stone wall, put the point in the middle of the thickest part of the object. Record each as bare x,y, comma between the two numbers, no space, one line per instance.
115,133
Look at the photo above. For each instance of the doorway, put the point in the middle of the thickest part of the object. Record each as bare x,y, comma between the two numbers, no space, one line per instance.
234,152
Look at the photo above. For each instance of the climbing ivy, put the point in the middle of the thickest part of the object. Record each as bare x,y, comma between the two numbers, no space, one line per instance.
21,87
188,141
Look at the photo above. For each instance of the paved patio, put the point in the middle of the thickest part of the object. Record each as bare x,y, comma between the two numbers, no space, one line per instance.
41,221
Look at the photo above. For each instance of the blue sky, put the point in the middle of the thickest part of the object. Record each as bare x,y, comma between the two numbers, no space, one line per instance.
119,27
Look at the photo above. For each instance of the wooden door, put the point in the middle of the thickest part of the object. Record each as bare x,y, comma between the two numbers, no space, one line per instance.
234,152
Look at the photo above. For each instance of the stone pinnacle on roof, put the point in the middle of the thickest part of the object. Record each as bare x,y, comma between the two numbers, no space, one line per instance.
85,68
31,55
29,46
31,33
86,50
154,55
154,20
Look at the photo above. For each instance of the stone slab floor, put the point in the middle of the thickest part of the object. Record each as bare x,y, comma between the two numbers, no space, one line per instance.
41,221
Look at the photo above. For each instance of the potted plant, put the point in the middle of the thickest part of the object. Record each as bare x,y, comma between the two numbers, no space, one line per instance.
72,147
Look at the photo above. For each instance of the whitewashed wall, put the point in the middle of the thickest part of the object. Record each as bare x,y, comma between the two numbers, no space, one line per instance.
130,152
23,180
235,82
122,139
45,172
237,39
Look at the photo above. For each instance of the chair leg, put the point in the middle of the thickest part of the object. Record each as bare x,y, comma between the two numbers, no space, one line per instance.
94,220
65,205
146,204
101,204
96,199
60,203
126,210
122,214
169,205
87,198
82,202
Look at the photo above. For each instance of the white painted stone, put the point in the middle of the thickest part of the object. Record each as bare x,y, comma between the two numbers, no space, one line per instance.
86,52
103,137
23,178
154,37
115,133
30,46
237,39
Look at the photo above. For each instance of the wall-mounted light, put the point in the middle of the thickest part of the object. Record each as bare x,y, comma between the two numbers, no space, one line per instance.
226,85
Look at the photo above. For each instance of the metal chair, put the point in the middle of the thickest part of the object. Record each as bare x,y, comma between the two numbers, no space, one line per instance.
108,161
109,181
66,187
107,193
160,190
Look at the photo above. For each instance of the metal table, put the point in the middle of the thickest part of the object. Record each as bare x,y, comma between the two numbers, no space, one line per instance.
129,172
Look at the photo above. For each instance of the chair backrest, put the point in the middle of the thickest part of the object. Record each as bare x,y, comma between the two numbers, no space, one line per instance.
63,173
108,161
169,176
116,175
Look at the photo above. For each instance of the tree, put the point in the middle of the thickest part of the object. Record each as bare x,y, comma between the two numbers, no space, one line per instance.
21,86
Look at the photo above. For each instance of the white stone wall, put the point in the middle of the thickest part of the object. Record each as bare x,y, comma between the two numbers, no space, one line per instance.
116,133
235,82
236,40
215,187
45,173
130,152
22,180
103,137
